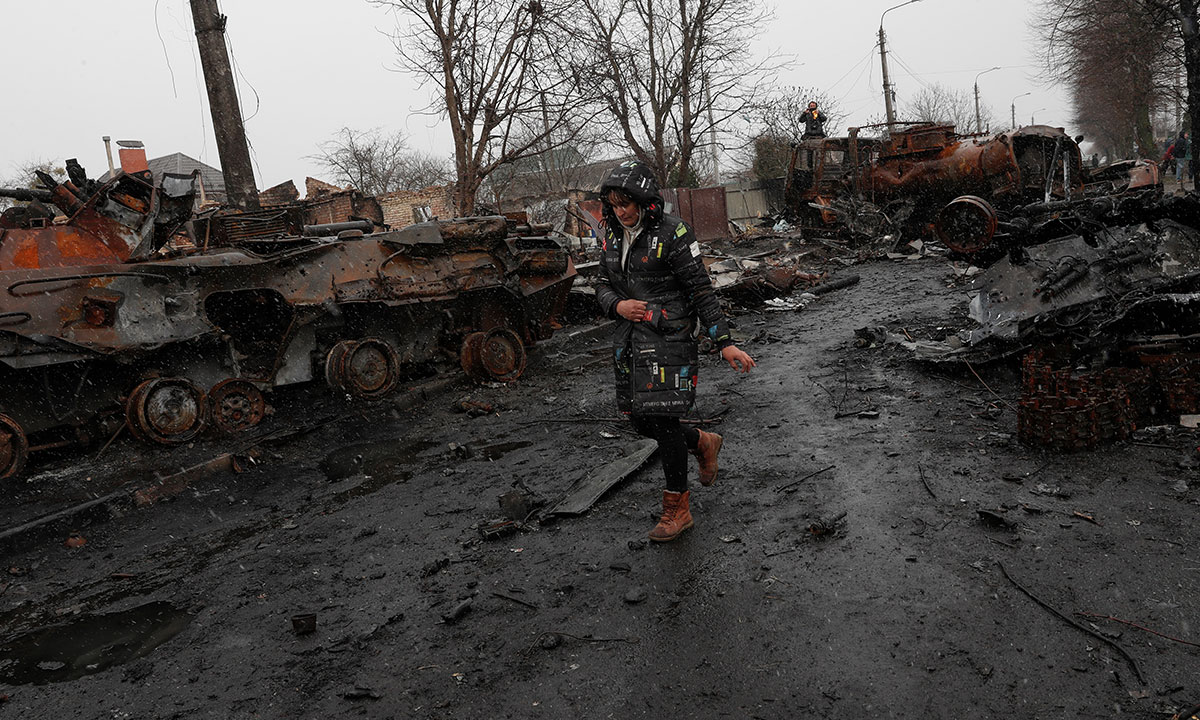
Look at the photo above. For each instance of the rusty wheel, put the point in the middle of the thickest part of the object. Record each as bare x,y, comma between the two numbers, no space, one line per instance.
166,410
14,447
334,360
367,368
967,225
493,355
236,405
371,369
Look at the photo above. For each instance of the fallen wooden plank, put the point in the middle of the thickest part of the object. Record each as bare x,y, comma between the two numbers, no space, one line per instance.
588,489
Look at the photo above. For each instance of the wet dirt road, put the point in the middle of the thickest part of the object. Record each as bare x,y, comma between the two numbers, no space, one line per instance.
371,522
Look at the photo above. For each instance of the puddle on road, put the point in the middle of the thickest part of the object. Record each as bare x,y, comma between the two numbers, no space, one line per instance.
88,644
498,450
377,459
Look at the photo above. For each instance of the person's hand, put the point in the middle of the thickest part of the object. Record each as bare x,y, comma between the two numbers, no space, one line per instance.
739,360
632,310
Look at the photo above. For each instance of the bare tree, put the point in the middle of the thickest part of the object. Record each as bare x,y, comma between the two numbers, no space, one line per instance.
671,73
375,162
497,71
776,122
1183,18
1117,60
25,175
939,103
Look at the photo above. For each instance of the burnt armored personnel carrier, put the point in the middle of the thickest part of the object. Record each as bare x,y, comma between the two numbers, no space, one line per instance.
125,309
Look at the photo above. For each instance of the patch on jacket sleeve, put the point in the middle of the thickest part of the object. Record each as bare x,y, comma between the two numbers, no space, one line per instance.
680,230
695,248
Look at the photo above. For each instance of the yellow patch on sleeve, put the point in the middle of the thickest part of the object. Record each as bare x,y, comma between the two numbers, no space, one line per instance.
681,230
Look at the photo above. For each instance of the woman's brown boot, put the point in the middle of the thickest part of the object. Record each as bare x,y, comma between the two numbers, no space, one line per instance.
706,451
676,517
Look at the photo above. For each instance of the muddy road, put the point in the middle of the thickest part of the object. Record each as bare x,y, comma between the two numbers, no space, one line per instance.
370,520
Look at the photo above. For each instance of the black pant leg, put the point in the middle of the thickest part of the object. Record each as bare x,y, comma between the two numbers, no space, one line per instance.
672,447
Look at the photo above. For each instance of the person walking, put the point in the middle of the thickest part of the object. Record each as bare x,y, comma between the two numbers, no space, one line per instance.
655,285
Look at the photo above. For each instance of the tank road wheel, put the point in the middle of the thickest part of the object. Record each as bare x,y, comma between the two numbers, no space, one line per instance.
14,447
236,405
967,225
334,360
493,355
367,368
166,410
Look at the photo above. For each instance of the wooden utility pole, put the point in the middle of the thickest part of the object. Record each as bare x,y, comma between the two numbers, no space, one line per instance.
223,102
887,84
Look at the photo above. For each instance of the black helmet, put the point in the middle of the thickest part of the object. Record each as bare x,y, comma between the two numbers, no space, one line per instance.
635,180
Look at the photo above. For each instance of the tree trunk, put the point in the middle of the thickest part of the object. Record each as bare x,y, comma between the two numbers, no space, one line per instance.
1191,62
1144,133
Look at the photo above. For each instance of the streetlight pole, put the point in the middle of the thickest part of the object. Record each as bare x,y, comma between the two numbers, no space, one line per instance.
1014,108
978,121
1033,114
887,83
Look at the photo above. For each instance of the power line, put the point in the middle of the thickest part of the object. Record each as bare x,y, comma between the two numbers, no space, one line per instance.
167,57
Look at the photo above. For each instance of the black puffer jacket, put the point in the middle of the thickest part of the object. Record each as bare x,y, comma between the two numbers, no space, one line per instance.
656,360
814,123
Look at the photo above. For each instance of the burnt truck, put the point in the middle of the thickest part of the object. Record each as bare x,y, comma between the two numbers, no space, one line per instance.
126,309
925,177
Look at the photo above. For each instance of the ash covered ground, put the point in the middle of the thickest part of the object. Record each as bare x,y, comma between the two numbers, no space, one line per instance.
915,606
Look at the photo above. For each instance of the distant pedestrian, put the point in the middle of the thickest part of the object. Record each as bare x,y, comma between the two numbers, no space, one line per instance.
814,122
653,282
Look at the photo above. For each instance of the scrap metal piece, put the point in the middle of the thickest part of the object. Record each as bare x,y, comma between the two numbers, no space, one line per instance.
588,489
236,405
166,410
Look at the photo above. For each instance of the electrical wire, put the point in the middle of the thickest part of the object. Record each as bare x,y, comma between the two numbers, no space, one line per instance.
201,92
869,56
911,73
166,56
242,110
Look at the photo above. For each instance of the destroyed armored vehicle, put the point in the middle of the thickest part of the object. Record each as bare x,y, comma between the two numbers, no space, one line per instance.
127,312
926,177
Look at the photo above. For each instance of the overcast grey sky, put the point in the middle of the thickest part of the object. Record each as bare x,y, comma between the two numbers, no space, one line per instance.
81,69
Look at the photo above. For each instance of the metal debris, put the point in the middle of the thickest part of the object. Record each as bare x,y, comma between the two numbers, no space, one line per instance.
588,489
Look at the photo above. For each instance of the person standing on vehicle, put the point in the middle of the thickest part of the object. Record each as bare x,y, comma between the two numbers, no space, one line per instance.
814,122
654,283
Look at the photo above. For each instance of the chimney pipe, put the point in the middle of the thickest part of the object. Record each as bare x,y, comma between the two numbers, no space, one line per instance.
112,169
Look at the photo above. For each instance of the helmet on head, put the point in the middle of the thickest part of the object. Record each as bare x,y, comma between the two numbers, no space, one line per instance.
634,179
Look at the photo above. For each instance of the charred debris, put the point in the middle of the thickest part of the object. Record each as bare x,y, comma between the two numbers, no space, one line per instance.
132,310
1089,276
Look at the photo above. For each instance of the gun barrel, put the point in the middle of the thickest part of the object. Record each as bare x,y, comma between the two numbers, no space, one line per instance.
27,194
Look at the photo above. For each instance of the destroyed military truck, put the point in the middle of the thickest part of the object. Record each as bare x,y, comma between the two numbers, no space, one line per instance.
127,310
926,177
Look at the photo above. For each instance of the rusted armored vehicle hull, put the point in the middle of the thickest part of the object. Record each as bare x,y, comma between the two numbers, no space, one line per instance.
925,177
183,340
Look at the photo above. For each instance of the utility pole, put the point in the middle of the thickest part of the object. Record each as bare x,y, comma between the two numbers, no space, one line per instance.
223,102
1014,108
978,120
887,84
